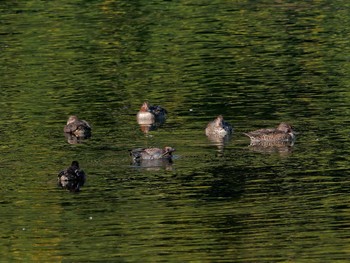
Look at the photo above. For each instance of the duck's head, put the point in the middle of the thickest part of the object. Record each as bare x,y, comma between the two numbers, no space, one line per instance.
285,127
218,121
72,119
168,150
75,164
145,107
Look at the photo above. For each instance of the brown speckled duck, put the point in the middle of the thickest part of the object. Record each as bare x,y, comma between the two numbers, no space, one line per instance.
79,128
218,127
283,133
149,114
139,154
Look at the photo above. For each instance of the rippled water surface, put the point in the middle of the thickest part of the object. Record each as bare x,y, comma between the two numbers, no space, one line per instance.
257,63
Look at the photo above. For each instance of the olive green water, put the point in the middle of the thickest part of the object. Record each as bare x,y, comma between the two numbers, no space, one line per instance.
256,62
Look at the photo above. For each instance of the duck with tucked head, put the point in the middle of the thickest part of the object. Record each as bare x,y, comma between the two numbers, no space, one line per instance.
140,154
149,114
218,127
79,128
72,173
72,177
283,133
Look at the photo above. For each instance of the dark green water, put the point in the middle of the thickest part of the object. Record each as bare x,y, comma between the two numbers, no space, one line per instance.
256,62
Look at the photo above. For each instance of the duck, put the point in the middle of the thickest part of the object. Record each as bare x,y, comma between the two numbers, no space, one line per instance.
139,154
149,114
218,127
79,128
283,133
72,173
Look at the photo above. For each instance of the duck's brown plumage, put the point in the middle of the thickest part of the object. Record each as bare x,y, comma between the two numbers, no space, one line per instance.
218,127
283,133
77,127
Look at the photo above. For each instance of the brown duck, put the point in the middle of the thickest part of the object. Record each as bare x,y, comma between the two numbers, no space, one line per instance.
283,133
151,153
79,128
218,127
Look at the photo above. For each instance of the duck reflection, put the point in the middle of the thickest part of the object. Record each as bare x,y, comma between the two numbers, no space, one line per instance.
145,128
282,148
71,186
219,141
74,139
154,165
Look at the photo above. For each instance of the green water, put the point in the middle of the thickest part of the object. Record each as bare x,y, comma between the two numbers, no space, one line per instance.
256,62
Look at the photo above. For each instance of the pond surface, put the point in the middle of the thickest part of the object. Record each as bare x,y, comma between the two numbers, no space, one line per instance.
257,63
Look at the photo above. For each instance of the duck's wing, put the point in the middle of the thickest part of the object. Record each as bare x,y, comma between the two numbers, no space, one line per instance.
71,127
80,175
268,135
137,153
152,153
158,110
85,124
63,172
227,126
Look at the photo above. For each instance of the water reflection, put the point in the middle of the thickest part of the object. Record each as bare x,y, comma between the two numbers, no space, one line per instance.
154,165
219,141
226,182
145,128
74,139
71,185
282,148
210,56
